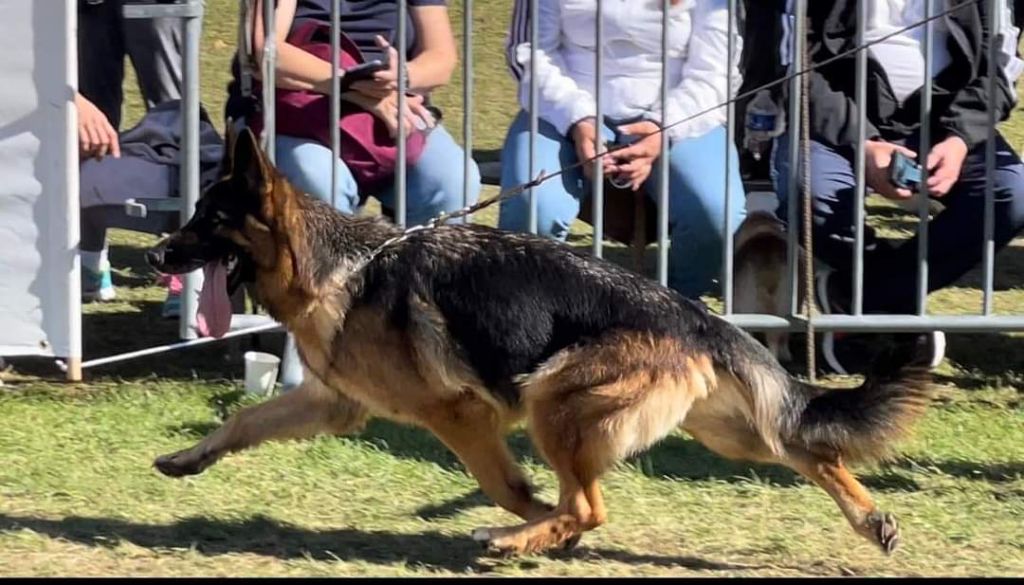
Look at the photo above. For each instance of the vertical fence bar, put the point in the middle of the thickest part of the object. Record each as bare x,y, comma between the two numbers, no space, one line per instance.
730,123
663,242
335,99
403,85
245,38
467,101
189,178
534,120
70,206
269,79
597,194
989,251
861,181
795,177
923,149
291,372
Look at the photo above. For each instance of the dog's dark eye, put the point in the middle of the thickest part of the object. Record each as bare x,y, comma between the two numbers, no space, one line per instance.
219,217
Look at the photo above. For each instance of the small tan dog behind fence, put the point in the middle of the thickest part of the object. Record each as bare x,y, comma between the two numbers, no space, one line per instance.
760,273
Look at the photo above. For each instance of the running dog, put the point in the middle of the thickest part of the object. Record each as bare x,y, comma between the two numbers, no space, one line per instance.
467,330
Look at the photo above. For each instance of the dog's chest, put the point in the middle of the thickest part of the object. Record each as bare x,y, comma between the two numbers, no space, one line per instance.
366,359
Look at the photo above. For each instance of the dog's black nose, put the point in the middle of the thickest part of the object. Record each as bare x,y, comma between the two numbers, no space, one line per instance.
155,257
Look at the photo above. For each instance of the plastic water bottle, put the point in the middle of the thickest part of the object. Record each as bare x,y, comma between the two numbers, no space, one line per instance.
762,124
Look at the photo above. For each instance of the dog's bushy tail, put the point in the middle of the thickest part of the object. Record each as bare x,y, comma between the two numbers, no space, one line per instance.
863,424
860,424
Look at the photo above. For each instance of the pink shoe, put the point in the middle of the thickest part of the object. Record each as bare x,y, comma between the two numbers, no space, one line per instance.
171,308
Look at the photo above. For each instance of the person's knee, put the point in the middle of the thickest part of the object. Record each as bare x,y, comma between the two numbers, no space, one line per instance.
556,211
304,169
442,189
307,166
1009,204
456,186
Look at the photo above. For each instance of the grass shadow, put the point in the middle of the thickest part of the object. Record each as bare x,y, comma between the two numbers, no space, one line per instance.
682,458
688,562
130,264
272,538
997,472
409,442
452,507
674,458
262,536
982,359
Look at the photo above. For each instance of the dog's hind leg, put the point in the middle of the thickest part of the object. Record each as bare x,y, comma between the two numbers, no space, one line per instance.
829,472
588,409
472,430
303,412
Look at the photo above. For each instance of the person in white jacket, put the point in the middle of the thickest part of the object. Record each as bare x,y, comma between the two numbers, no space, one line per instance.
631,107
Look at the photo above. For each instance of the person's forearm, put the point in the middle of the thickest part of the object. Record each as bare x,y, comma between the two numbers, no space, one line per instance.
299,70
430,70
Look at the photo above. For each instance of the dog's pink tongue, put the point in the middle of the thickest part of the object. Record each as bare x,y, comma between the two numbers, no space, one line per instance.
214,313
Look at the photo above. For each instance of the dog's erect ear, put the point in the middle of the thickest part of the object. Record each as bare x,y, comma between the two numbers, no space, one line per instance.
248,164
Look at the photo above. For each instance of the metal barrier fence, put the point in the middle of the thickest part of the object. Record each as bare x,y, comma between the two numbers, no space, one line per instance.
920,320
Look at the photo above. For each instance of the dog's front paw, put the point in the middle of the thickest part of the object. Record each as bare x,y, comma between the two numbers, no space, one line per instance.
182,463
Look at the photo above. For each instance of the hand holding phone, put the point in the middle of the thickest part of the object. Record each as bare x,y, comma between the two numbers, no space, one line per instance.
618,180
904,172
361,72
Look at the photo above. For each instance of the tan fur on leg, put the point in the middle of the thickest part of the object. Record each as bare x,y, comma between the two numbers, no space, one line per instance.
473,431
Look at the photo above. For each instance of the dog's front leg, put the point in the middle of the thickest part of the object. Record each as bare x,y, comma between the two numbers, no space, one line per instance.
304,412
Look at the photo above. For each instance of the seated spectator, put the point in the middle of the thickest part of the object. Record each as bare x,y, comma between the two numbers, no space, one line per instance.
955,163
435,183
105,38
142,162
631,102
96,139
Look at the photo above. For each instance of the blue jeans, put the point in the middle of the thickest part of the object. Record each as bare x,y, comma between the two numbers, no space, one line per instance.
955,235
696,201
433,184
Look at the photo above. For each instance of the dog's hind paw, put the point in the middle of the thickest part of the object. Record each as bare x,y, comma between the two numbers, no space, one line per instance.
885,530
525,540
181,464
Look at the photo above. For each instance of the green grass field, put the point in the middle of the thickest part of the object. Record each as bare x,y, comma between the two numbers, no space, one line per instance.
78,495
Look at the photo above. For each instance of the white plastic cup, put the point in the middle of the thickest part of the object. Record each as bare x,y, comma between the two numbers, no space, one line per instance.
260,372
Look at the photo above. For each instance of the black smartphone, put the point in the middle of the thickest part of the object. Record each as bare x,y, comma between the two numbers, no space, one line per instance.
362,72
904,172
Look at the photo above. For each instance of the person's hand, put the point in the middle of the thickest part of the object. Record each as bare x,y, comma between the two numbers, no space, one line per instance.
878,157
384,82
634,163
584,133
415,117
96,137
945,162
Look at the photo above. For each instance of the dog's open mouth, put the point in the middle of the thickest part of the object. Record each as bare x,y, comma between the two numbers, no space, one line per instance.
220,279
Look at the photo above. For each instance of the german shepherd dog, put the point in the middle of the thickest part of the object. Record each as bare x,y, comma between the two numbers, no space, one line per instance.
466,330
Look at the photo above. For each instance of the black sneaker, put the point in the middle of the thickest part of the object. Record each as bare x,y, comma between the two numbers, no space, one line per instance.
853,353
